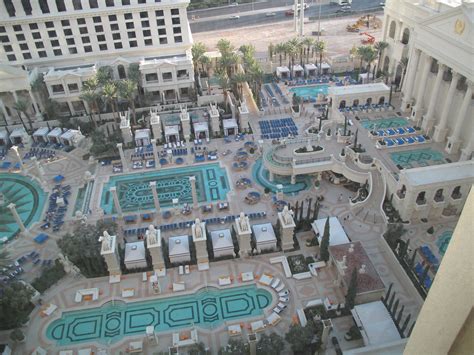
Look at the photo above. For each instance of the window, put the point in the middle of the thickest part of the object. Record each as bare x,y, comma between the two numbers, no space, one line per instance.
160,22
65,23
61,6
162,32
178,39
36,35
20,37
146,33
81,21
49,24
57,88
33,26
83,30
128,16
145,24
11,57
57,52
159,13
109,3
8,48
93,4
143,14
55,43
142,1
67,32
103,47
70,41
3,30
26,55
130,25
101,38
118,45
77,4
73,87
176,30
4,39
10,7
132,35
116,36
174,12
121,72
125,2
112,17
86,40
151,77
97,19
88,49
44,6
167,76
114,27
175,21
39,45
42,54
26,6
133,44
391,31
73,50
17,28
148,42
163,40
99,28
23,46
182,73
52,34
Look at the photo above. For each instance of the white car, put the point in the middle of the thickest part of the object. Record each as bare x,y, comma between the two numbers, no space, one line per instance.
234,17
270,14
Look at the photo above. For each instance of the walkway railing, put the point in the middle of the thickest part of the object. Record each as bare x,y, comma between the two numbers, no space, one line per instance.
312,160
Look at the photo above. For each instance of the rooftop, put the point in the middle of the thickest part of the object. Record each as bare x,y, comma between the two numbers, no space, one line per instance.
439,173
264,232
357,89
222,239
337,235
178,245
134,251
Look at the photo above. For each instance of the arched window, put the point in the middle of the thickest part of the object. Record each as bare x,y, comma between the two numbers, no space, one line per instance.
434,66
342,104
369,101
406,36
381,100
439,195
393,28
420,199
398,74
121,72
355,102
386,64
456,192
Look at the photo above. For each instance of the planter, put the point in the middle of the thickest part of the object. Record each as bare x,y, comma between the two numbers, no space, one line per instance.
294,113
342,157
328,137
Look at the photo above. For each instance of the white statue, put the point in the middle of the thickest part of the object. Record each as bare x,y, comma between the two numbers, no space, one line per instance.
151,235
243,222
287,215
197,228
106,240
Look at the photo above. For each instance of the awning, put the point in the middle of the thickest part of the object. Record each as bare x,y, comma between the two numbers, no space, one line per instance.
58,178
41,238
130,218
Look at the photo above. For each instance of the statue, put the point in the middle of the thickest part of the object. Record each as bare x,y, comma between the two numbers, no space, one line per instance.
106,240
151,235
197,228
287,216
243,222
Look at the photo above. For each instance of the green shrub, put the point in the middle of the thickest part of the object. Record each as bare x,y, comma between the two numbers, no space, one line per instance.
49,277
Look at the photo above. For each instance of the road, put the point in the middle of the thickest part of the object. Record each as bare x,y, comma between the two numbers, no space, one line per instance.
219,18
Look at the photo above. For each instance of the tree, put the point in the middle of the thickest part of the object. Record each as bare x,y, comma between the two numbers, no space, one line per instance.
205,62
234,347
301,338
22,106
280,48
134,73
309,43
17,335
393,233
238,80
128,90
197,50
15,305
324,247
320,49
351,290
224,83
110,93
91,97
272,344
224,46
103,145
380,47
197,349
104,75
292,50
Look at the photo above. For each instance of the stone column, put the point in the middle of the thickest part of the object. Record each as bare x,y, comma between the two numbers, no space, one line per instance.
192,181
40,172
454,141
428,120
108,251
287,226
15,96
18,156
244,233
156,200
425,69
71,107
16,217
155,153
113,191
122,157
466,153
198,230
35,104
153,243
440,130
293,179
4,111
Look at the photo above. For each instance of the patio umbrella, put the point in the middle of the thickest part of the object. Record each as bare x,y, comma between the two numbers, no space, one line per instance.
58,178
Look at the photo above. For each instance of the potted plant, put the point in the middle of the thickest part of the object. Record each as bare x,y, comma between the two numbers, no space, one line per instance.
328,134
342,155
267,190
430,230
317,184
17,336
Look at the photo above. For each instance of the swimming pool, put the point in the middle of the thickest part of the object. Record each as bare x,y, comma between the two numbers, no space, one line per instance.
443,241
207,308
422,157
310,91
28,197
382,123
134,191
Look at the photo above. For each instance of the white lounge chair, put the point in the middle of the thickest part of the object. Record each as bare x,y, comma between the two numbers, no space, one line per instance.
283,293
275,283
279,288
283,299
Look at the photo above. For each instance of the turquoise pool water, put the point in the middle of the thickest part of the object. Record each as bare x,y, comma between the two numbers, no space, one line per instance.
383,123
208,308
261,175
443,242
310,91
27,195
134,191
422,157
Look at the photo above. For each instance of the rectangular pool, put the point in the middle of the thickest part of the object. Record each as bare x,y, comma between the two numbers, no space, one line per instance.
383,123
310,91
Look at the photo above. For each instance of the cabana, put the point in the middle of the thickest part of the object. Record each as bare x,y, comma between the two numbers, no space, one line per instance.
230,127
310,69
298,71
283,72
19,136
135,255
264,236
53,136
4,138
41,135
325,68
201,130
172,133
222,243
142,137
71,137
178,249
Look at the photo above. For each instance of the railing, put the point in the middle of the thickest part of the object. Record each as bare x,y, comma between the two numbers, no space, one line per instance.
183,77
312,160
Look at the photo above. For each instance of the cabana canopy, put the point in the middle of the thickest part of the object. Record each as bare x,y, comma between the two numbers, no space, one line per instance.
142,137
41,132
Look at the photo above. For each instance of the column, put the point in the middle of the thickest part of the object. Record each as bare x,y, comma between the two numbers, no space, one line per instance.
466,153
425,69
113,191
35,104
153,243
71,108
156,200
122,157
293,179
410,80
15,96
4,111
40,171
192,180
155,153
440,131
454,141
428,120
18,156
109,252
16,217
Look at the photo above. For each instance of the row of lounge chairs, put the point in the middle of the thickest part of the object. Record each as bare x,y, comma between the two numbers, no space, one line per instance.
40,153
396,142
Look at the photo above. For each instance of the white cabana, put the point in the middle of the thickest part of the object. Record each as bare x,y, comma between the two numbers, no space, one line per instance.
337,235
41,135
273,319
283,72
172,133
142,137
310,69
135,255
178,249
19,136
71,137
257,326
264,236
298,71
4,138
53,136
201,130
230,127
325,68
222,243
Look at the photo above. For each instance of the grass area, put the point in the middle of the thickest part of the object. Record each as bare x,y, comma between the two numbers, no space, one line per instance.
297,264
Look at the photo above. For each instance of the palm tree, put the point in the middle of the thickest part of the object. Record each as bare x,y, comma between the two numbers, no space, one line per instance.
309,43
280,48
110,94
90,97
256,75
224,83
271,50
301,49
247,50
91,84
380,46
22,106
320,48
205,62
292,50
104,75
370,54
238,80
128,90
361,52
224,46
197,50
404,64
227,62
